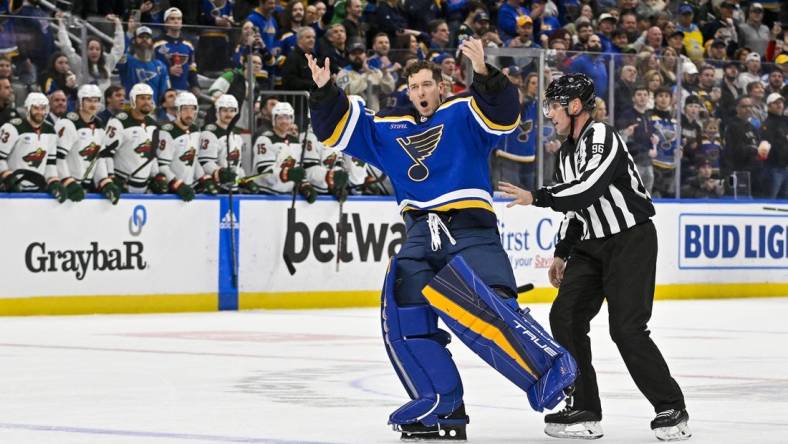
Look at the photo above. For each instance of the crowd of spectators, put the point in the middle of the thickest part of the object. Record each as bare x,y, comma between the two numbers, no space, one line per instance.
698,88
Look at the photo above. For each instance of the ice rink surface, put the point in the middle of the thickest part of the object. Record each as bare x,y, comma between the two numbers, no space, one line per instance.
322,376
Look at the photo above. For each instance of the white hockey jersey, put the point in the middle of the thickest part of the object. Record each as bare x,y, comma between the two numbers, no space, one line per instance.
177,154
131,145
272,155
23,147
320,163
213,150
78,144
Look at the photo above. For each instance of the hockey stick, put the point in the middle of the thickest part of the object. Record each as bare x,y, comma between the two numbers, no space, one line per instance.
155,143
230,128
286,257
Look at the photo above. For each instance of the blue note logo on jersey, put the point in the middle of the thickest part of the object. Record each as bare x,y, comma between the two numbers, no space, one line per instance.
525,130
419,147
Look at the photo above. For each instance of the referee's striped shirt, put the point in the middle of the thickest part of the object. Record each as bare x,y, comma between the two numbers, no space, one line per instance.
597,185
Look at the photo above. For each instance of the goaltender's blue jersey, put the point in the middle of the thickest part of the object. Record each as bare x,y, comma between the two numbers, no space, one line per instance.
438,163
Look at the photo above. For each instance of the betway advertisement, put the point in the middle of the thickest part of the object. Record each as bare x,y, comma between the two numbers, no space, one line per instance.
138,247
370,231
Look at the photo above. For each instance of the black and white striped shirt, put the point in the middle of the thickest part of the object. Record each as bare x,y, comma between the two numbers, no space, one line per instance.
598,186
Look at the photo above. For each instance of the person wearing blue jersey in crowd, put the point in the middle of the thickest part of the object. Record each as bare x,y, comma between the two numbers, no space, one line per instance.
177,53
519,147
436,154
508,15
140,66
265,21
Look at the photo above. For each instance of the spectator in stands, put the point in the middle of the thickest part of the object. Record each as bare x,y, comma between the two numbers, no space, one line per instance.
691,130
675,41
58,107
466,29
140,66
774,131
235,83
525,34
619,42
653,80
177,53
664,137
635,127
693,38
652,39
34,39
100,65
593,65
381,46
628,23
251,42
296,75
213,47
584,31
354,27
753,72
711,144
775,82
668,65
730,90
740,151
333,47
59,76
167,111
708,90
114,100
359,79
724,21
508,14
628,78
7,110
754,34
717,56
689,84
757,94
265,21
600,111
439,35
6,69
292,21
605,27
703,185
390,18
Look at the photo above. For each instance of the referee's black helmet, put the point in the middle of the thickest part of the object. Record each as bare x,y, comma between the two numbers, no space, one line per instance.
567,88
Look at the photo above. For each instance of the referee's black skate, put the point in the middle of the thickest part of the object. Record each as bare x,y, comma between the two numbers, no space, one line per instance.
449,428
573,423
671,425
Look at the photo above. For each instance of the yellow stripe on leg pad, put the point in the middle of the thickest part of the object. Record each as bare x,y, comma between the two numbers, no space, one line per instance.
475,324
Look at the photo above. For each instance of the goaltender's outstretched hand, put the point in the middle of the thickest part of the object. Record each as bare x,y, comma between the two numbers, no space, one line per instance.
321,76
520,196
474,50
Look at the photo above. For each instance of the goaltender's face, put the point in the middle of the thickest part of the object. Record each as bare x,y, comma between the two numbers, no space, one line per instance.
425,92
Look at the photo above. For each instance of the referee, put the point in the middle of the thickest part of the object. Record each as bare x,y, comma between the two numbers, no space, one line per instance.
607,249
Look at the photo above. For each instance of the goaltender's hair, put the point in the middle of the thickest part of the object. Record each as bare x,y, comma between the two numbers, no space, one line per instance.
424,64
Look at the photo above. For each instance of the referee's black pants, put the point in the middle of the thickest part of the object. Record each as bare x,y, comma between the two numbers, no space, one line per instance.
621,269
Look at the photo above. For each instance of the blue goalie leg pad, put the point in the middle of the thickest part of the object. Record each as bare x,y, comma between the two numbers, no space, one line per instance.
502,334
417,350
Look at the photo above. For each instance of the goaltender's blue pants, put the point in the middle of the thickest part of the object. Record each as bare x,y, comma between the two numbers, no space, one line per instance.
478,242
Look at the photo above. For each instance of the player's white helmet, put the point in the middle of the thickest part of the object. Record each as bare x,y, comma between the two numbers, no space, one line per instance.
282,109
89,91
226,101
140,89
185,99
36,99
